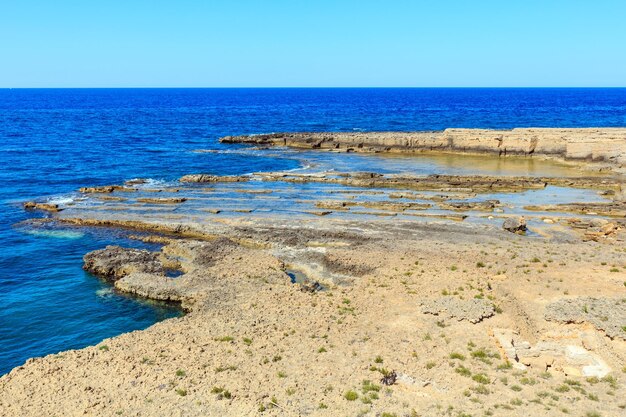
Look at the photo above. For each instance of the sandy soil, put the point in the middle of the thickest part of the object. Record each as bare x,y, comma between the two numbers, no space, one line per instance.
253,343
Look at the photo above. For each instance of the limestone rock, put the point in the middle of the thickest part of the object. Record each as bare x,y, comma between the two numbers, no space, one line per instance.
472,310
607,145
173,200
212,178
101,189
605,314
115,262
31,205
571,359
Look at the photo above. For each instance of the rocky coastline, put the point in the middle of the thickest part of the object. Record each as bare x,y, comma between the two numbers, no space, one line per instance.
358,293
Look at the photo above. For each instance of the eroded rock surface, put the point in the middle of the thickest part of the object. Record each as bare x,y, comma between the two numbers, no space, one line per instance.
102,189
614,209
213,178
606,314
115,262
171,200
558,354
473,310
487,205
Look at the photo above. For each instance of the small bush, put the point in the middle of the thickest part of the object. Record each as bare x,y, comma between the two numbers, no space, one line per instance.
481,379
463,371
351,395
224,339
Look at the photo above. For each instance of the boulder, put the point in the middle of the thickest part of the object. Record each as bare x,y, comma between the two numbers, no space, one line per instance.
515,225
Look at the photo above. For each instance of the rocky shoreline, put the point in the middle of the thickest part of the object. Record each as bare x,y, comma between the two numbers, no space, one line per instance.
606,146
355,293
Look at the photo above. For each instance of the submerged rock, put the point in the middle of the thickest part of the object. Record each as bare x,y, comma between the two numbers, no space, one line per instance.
172,200
115,262
514,225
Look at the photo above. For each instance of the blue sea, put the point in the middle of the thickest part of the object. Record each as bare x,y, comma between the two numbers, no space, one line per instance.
53,141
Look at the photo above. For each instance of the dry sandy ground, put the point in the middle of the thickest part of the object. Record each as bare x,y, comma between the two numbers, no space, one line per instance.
253,343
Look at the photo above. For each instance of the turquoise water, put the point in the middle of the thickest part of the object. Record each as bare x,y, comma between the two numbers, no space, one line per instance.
54,141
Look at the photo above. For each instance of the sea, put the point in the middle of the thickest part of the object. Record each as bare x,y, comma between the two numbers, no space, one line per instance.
53,141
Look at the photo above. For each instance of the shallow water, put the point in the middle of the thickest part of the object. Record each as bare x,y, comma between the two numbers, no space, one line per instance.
54,141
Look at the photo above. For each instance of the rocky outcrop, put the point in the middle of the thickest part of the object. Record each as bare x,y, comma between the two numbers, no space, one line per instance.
605,314
31,205
446,183
381,205
115,262
202,178
473,310
102,189
589,144
613,208
487,205
572,359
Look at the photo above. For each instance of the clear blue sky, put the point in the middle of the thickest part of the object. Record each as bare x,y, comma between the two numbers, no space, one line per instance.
246,43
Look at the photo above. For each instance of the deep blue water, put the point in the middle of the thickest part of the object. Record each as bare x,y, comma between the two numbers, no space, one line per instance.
55,141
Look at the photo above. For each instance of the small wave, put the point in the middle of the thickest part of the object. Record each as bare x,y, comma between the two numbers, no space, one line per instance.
56,234
66,199
61,201
148,183
304,167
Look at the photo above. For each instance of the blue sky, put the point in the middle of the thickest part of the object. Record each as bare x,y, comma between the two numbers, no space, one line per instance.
246,43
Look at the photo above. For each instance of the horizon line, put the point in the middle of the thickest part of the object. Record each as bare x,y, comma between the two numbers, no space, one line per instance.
311,87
